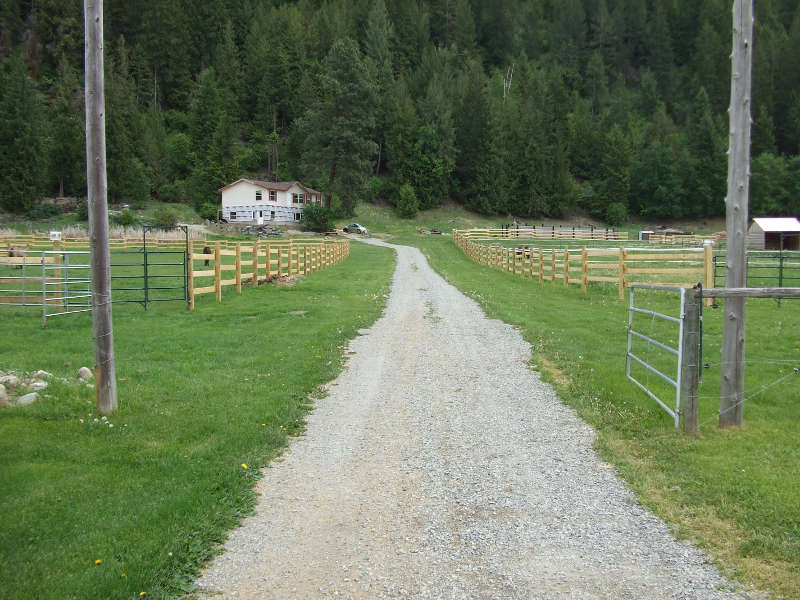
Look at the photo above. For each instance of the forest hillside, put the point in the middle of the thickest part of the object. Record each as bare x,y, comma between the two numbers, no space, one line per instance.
524,107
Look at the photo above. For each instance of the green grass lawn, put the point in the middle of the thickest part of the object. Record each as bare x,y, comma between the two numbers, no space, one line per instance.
200,395
736,492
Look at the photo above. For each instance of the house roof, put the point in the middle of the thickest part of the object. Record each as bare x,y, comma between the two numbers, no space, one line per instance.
278,186
778,224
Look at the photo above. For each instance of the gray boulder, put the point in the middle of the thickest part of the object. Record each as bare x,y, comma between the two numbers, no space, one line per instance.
27,399
10,380
85,374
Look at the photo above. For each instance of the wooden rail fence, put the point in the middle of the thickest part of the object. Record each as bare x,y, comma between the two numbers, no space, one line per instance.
236,263
229,263
542,233
622,267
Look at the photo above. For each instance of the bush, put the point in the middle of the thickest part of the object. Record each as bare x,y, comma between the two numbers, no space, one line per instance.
44,211
165,217
407,202
127,218
616,214
208,211
172,192
82,210
374,189
318,217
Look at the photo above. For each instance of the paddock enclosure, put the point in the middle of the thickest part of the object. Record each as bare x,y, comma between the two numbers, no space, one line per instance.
55,276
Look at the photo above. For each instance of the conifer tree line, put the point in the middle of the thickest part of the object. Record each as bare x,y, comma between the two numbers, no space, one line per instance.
532,108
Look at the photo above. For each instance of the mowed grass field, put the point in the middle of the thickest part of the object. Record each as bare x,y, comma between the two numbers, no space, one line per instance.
735,492
95,511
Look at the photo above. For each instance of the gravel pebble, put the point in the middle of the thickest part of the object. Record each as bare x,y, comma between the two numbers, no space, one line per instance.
441,466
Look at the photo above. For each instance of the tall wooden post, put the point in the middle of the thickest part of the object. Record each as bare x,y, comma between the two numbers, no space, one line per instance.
238,267
217,272
690,362
731,407
104,365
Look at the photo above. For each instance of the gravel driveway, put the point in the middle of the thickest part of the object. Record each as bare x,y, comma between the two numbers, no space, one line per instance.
440,466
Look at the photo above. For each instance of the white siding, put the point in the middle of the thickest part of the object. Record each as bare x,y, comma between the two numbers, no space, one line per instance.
240,199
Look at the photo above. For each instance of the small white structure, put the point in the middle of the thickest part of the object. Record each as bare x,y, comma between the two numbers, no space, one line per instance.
774,233
254,201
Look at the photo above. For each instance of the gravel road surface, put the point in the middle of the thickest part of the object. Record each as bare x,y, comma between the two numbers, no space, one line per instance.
441,466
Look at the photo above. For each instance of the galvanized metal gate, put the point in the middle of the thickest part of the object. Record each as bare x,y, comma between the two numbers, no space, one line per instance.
643,359
59,281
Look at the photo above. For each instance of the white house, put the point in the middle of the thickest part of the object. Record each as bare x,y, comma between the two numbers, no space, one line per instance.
254,201
774,233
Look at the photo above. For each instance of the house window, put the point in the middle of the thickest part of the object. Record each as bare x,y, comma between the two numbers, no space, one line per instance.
258,195
272,215
298,199
297,216
273,196
233,215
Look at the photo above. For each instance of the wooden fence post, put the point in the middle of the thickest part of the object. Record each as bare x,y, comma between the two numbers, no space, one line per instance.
217,272
553,261
690,365
190,274
541,265
584,270
708,263
238,261
255,263
621,273
566,265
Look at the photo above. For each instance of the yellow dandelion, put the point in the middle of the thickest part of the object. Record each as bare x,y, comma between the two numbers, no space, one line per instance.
143,593
98,561
244,466
122,575
263,424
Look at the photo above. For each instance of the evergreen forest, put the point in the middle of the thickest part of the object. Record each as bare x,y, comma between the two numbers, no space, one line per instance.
531,108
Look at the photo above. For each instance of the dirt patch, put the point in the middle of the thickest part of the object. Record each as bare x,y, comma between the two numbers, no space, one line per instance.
283,280
559,377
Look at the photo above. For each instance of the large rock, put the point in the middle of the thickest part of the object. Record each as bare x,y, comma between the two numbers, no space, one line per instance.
10,380
85,374
27,399
36,385
4,396
43,374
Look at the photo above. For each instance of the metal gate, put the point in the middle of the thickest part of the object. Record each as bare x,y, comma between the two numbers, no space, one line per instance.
59,281
655,365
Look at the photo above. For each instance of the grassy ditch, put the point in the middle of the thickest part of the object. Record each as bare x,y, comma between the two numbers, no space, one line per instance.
734,492
95,511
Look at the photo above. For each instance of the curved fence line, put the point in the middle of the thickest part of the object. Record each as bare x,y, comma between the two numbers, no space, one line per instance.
621,266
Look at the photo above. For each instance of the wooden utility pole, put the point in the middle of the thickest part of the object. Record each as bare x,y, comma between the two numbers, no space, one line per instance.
731,406
104,367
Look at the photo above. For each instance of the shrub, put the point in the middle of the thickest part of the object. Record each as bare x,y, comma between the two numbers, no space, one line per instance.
616,214
82,210
208,211
165,217
172,192
374,189
127,218
318,217
407,202
44,211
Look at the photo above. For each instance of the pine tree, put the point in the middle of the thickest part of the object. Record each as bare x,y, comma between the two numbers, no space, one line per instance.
471,121
464,35
338,126
228,67
68,146
402,124
22,156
